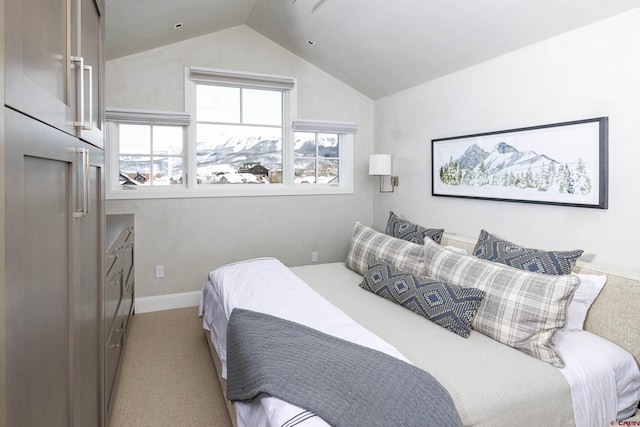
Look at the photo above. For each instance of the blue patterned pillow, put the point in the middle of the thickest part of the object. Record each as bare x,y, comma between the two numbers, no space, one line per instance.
405,230
495,249
449,306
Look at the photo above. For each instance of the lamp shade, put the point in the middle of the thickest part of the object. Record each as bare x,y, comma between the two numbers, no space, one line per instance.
380,164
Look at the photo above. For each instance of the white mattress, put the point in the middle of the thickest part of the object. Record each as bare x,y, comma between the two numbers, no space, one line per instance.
489,382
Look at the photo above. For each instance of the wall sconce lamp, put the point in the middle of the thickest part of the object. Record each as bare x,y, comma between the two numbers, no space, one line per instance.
380,164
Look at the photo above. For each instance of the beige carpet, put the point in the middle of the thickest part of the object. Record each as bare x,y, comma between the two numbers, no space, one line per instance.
167,376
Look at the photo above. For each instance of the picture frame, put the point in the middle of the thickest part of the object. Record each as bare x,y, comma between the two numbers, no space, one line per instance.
562,164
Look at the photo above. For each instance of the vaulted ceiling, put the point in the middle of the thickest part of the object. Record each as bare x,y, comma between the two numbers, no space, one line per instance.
378,47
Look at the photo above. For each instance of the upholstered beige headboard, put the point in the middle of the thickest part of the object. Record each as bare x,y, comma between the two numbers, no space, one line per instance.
615,314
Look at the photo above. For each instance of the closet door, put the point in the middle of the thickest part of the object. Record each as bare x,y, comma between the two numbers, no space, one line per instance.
55,64
54,275
90,48
37,58
39,169
86,291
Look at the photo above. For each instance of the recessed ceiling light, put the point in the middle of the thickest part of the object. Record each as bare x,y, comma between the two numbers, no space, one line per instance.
311,42
178,25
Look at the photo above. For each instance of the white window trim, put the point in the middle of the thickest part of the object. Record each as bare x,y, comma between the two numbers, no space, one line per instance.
123,115
212,75
323,126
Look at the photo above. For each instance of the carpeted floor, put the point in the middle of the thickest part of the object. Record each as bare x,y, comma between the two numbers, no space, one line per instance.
167,376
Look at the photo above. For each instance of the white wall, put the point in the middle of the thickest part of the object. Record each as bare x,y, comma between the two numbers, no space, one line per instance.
192,236
590,72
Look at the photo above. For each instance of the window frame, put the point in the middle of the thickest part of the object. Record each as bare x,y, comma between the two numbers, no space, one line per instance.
193,75
241,122
117,116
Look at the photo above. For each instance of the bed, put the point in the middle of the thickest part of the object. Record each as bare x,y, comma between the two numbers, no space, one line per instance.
490,383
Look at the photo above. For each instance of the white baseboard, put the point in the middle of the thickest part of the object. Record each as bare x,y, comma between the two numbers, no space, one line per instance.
167,302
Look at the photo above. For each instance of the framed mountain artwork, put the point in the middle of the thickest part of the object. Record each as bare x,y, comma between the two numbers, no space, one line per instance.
557,164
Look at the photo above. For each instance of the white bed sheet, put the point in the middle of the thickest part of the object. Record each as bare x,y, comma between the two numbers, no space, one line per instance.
596,367
281,293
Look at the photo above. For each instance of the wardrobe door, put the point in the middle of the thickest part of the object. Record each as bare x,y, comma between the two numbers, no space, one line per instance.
54,253
87,290
91,49
39,169
55,64
37,57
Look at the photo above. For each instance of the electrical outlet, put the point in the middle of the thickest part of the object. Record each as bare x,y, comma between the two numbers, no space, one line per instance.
314,256
159,271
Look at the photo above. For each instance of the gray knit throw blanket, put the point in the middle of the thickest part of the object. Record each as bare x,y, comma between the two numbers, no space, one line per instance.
346,384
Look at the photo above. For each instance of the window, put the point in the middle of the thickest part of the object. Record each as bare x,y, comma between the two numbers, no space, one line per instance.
244,133
239,134
150,154
317,158
236,138
147,149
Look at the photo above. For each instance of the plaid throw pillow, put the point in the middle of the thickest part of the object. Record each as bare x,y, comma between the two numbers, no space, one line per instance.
368,244
405,230
495,249
449,306
520,309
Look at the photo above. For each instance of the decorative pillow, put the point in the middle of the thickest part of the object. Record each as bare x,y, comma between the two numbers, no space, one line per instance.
493,248
405,230
449,306
520,308
368,244
586,293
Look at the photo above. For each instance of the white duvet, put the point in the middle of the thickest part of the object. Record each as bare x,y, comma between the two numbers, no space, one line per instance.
604,378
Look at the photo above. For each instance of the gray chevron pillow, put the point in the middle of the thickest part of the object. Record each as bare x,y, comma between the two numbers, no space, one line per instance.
406,230
495,249
449,306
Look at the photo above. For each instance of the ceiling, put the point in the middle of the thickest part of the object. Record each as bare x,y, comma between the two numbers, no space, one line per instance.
378,47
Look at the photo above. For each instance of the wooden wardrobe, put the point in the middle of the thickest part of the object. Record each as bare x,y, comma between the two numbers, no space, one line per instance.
53,212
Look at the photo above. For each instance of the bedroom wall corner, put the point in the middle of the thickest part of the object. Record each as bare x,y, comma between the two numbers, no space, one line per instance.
190,237
586,73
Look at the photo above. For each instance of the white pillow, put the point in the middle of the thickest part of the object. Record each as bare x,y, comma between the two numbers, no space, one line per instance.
587,291
457,250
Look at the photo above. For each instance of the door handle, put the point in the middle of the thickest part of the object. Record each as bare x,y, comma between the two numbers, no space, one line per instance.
80,110
89,126
85,179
